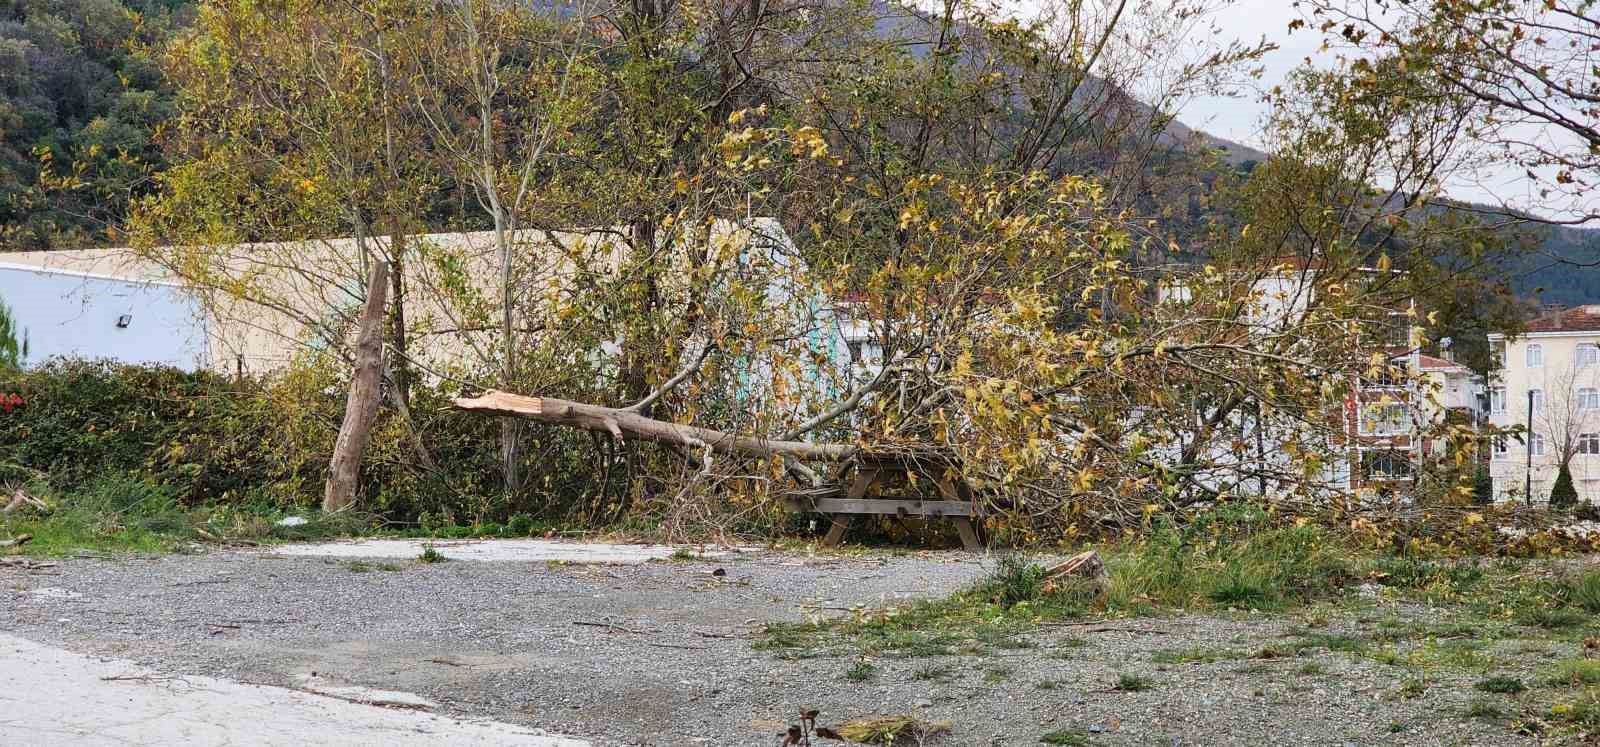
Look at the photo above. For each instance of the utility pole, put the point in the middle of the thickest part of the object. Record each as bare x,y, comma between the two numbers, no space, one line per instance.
1527,484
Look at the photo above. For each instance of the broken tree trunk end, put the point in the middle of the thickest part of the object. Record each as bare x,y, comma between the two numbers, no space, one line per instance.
361,409
1084,567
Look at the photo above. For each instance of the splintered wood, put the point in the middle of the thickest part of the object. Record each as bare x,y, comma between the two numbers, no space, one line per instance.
1082,568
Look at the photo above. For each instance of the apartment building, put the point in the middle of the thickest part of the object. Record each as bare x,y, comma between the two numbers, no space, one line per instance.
1549,383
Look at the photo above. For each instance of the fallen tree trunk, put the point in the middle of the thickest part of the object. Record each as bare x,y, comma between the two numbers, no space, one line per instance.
624,423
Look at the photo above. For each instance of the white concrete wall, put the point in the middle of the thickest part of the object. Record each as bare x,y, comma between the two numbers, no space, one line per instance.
75,315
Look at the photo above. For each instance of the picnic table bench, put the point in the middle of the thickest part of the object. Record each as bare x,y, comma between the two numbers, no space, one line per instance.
888,485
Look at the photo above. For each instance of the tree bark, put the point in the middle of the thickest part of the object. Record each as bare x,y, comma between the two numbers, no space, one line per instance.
625,422
361,408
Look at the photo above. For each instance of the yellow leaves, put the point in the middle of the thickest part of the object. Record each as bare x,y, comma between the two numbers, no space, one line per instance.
1473,518
1384,263
808,142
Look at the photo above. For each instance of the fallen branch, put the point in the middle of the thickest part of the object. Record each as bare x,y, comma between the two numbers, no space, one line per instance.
20,498
21,539
622,423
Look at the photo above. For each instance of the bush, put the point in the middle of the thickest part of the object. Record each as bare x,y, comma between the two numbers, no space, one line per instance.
1482,486
1563,494
204,439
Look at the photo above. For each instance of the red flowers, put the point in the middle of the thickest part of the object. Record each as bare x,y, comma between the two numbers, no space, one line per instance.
12,401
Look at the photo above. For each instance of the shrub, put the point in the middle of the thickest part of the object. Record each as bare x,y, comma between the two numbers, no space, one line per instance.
1563,494
1501,684
205,439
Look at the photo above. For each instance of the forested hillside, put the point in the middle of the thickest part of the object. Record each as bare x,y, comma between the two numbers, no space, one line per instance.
84,105
81,108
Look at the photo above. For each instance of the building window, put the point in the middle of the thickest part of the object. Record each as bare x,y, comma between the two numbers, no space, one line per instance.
1589,398
1589,443
1497,399
1536,401
1588,354
1501,354
1385,465
1536,445
1502,448
1384,419
1535,357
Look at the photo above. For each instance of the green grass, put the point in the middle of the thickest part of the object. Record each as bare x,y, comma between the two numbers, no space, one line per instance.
1585,592
934,674
1195,655
1501,684
430,554
119,513
1572,673
1067,737
1048,685
1132,683
362,566
996,675
1412,687
1484,709
861,671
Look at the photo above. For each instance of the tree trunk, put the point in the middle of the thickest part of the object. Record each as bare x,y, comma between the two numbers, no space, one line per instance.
361,408
622,422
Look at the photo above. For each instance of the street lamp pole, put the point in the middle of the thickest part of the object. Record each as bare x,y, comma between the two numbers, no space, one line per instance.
1527,485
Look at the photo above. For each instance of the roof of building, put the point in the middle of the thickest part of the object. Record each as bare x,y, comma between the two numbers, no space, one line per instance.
1430,363
1576,319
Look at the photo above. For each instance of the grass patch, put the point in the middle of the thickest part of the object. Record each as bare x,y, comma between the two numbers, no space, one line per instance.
1233,556
1312,669
362,566
1573,673
1330,642
1412,688
1484,709
1586,592
124,513
890,730
1132,683
934,674
1067,737
1501,684
996,675
861,671
1195,655
430,554
1048,685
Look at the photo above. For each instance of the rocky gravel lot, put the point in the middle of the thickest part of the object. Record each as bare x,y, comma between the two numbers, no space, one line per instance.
664,653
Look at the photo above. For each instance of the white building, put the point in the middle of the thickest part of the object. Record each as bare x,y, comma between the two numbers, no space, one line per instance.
67,313
1549,383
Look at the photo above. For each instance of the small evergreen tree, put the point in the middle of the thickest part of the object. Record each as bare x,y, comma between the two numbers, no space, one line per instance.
1563,495
1482,487
12,348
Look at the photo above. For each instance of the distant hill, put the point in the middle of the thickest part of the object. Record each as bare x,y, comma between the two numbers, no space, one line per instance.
1546,279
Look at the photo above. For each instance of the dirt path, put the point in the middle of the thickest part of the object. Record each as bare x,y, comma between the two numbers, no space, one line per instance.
661,653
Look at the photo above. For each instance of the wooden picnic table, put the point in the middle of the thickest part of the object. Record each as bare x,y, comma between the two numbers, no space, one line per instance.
886,485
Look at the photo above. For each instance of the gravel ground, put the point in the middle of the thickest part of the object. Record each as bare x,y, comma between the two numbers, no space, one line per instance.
660,654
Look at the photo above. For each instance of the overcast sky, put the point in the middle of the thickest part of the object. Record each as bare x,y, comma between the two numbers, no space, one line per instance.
1240,119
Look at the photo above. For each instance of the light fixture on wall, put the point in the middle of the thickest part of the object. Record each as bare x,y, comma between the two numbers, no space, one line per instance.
124,320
